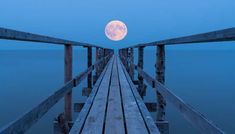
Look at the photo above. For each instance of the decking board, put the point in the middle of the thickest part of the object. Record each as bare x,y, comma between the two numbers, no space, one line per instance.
95,120
114,123
115,107
134,121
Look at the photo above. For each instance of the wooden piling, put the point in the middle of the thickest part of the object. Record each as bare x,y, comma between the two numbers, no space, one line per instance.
141,65
89,63
68,77
131,60
127,59
160,76
97,68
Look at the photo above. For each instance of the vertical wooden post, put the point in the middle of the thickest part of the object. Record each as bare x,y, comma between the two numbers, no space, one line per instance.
160,76
121,54
105,61
97,68
102,55
123,57
68,77
141,65
89,63
127,59
131,60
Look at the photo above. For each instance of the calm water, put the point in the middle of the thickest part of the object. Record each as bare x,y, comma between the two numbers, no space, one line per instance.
204,79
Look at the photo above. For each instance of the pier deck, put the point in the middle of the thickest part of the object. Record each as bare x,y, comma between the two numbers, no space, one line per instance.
114,106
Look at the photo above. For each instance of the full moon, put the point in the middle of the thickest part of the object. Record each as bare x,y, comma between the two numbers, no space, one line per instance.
116,30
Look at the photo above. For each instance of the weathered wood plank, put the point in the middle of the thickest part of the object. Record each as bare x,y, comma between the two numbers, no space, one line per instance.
78,124
194,117
24,122
145,113
133,118
114,123
67,77
25,36
214,36
96,117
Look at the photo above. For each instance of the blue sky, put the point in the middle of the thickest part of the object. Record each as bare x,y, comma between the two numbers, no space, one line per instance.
147,20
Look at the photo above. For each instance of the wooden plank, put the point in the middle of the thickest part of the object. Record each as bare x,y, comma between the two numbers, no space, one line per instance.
145,113
114,123
214,36
194,117
67,77
78,124
133,118
96,117
27,120
10,34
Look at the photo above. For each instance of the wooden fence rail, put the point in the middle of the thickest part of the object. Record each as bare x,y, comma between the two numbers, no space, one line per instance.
215,36
193,116
10,34
197,119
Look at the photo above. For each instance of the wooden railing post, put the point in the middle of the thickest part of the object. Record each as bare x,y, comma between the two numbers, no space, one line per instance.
121,54
89,63
160,76
104,55
97,69
131,60
141,87
126,60
68,77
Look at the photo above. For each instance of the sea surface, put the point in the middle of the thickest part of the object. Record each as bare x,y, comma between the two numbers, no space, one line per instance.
205,79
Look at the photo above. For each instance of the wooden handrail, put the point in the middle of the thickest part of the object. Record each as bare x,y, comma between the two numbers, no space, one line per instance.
215,36
24,122
197,119
10,34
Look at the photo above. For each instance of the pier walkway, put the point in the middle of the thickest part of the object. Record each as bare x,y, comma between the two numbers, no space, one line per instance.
114,106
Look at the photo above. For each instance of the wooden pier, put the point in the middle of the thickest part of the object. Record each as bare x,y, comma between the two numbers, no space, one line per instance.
114,104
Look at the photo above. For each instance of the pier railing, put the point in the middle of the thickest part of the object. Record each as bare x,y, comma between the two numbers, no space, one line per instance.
25,121
164,95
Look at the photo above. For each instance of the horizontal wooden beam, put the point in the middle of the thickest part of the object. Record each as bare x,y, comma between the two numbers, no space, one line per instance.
215,36
197,119
25,36
24,122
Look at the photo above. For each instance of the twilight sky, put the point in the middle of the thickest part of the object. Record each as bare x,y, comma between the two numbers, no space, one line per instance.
85,20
